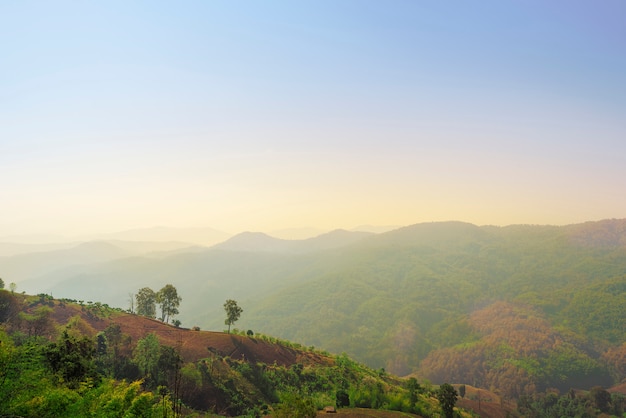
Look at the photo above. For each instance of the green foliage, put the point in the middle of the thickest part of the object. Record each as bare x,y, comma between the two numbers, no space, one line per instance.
597,310
146,302
74,377
395,300
9,306
31,373
446,395
169,301
72,359
146,356
601,398
233,312
414,389
19,366
342,398
294,406
38,323
597,402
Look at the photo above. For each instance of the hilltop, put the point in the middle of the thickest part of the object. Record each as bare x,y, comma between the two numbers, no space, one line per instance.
192,345
75,346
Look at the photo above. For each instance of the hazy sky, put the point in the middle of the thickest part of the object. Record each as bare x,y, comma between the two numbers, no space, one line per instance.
261,115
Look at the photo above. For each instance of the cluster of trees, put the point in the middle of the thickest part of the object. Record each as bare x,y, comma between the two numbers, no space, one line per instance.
52,371
168,301
72,370
519,352
167,298
81,376
12,286
597,401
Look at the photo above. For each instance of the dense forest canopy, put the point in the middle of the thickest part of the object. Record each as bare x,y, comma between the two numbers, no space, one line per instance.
404,299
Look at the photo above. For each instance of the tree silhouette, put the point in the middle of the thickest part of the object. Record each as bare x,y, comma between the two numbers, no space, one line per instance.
233,312
169,301
146,302
447,398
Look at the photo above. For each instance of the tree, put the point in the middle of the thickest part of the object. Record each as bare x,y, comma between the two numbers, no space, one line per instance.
169,301
342,398
131,302
414,388
39,323
146,357
146,302
169,365
462,391
447,398
12,287
233,312
295,406
72,358
9,307
601,398
1,283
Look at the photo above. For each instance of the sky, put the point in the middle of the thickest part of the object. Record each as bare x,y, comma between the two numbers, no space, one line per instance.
264,115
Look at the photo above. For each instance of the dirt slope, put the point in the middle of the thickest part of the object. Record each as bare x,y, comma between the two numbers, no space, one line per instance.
194,345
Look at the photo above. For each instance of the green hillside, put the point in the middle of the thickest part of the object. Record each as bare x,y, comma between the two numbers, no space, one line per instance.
59,358
399,298
406,300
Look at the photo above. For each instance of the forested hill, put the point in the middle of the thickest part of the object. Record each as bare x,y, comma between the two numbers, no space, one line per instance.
409,300
414,299
63,358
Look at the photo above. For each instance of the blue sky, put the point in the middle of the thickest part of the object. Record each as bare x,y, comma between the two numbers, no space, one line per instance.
328,114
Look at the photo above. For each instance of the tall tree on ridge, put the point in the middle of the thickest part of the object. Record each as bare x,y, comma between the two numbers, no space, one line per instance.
169,302
146,302
233,312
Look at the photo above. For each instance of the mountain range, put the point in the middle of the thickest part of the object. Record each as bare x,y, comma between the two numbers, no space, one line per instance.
409,300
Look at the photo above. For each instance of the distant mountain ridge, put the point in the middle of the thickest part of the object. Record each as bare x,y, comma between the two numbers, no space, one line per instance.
9,249
605,233
260,242
193,235
432,233
24,266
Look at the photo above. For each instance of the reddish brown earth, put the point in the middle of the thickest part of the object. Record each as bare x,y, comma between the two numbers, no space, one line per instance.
489,406
621,388
366,413
194,345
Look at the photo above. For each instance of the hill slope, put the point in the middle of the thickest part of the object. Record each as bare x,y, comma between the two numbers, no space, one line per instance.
395,299
79,353
400,296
